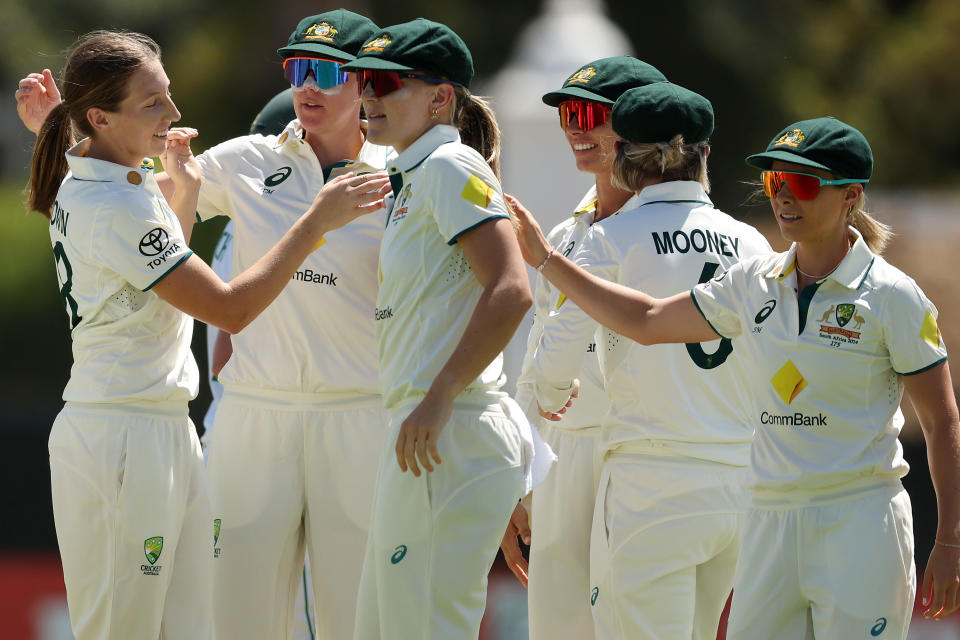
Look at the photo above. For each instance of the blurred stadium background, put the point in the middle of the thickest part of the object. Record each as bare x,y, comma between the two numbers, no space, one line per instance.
886,66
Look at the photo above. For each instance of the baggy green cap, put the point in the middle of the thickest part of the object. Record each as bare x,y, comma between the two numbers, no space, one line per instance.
335,34
659,111
823,143
418,45
605,80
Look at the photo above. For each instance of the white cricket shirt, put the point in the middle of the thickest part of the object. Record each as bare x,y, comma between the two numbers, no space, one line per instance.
824,366
317,337
591,406
442,189
114,237
222,264
684,399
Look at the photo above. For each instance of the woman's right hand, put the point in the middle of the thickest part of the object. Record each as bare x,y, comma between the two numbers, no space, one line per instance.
36,95
346,198
533,244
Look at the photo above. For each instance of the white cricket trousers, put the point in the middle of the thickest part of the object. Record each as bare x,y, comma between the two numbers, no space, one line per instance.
133,521
558,592
838,569
665,539
434,538
286,474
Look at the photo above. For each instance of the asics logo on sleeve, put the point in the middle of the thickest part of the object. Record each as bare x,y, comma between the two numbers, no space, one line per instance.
878,627
398,554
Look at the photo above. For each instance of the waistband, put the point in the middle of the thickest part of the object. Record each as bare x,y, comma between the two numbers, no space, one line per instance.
173,409
299,401
733,455
797,498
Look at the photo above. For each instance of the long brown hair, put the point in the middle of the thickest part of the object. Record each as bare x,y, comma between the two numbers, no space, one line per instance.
478,127
96,74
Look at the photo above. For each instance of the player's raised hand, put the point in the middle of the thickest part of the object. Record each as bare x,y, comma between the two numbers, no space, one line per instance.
533,244
518,526
348,197
177,158
37,95
940,590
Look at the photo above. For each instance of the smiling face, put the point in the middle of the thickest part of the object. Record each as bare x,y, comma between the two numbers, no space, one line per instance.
400,117
821,220
593,150
325,112
138,128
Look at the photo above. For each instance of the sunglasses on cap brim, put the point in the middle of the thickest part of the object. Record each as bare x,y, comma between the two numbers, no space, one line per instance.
589,114
803,186
384,82
327,74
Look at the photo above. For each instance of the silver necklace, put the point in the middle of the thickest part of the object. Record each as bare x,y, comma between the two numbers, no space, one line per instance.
813,277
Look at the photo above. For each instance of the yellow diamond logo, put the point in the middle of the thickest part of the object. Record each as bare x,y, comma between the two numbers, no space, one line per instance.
930,331
477,191
560,300
788,382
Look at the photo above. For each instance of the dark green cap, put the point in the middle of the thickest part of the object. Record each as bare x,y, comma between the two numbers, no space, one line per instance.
336,34
418,45
659,111
605,80
275,115
824,143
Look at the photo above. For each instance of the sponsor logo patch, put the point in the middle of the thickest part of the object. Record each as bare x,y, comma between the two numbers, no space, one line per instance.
930,331
154,242
788,382
152,548
398,554
477,191
842,314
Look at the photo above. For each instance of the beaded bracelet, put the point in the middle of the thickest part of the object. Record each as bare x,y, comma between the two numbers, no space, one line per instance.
545,260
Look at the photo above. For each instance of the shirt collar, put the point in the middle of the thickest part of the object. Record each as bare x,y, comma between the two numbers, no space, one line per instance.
850,273
587,209
425,145
682,191
94,170
291,134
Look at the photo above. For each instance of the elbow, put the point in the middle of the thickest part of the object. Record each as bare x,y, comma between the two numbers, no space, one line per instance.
521,302
235,323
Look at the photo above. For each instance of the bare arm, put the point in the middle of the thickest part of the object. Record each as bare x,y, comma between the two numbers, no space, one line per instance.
627,311
194,288
222,350
495,260
931,393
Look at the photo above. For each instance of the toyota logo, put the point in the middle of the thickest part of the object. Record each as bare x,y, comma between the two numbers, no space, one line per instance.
154,242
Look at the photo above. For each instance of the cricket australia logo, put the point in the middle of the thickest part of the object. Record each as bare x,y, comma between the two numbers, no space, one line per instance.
216,537
152,548
583,76
377,44
841,314
791,138
322,31
400,208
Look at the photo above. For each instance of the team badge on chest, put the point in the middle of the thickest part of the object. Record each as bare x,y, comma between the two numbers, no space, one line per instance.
400,208
834,324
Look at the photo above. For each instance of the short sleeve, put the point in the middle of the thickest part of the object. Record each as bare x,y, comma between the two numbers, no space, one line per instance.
719,301
140,239
214,199
910,329
467,194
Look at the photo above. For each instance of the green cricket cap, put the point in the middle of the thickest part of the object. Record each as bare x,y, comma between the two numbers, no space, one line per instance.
275,115
605,80
823,143
659,111
335,34
418,45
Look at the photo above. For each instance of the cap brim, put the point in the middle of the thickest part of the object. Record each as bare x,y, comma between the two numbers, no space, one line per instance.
316,47
554,98
765,160
376,63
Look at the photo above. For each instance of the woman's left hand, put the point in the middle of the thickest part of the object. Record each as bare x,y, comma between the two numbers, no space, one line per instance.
419,434
940,590
177,158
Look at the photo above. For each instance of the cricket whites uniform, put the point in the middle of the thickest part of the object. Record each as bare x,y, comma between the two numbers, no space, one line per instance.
298,431
129,498
672,491
434,538
824,370
562,508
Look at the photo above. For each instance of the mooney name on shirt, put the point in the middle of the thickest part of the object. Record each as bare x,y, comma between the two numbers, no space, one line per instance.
700,240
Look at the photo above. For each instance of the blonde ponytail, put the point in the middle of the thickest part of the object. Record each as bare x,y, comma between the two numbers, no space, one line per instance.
478,127
635,163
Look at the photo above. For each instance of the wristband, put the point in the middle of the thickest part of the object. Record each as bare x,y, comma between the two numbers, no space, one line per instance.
946,544
545,260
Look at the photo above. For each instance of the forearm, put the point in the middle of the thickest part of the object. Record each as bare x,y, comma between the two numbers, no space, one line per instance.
943,456
184,204
493,322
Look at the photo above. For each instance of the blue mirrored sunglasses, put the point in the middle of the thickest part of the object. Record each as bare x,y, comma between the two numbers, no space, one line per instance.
326,73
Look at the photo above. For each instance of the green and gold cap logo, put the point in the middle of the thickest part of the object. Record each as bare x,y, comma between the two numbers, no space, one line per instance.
216,531
152,547
322,31
583,76
791,138
377,44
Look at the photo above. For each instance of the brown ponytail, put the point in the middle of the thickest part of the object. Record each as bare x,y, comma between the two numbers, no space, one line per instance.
875,233
478,126
96,73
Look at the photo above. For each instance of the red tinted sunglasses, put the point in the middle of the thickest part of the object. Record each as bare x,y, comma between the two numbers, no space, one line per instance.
384,82
803,186
589,114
